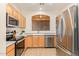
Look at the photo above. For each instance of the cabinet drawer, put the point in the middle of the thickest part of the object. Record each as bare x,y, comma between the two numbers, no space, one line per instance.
11,53
11,47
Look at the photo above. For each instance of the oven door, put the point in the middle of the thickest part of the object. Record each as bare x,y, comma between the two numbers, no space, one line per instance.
19,47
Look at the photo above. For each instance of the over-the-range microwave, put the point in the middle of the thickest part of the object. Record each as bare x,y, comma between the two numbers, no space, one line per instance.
11,21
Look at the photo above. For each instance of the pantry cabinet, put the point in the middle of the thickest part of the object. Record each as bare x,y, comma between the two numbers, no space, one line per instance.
15,13
10,51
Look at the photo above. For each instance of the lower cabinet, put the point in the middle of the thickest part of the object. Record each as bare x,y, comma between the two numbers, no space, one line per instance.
28,41
35,41
10,51
40,41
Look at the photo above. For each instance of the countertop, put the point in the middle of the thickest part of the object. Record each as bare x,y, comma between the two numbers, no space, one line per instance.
8,43
26,34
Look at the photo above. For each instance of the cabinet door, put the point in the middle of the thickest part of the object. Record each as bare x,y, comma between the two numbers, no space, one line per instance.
41,41
15,14
11,53
10,50
28,41
35,41
9,9
20,20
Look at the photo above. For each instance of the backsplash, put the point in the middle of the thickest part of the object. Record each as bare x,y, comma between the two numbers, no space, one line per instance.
12,29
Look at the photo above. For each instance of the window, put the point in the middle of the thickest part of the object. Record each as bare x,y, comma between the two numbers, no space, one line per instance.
40,24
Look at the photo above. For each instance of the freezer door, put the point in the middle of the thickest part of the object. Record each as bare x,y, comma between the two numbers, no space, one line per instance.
75,31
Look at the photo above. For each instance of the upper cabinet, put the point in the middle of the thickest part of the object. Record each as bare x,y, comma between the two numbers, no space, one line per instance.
9,9
17,15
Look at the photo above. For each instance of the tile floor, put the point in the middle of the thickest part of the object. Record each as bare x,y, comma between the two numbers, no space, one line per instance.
40,52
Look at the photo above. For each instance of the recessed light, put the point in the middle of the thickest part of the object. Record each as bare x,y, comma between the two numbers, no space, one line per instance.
40,8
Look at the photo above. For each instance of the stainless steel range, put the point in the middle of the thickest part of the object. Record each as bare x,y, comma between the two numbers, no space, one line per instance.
20,42
20,46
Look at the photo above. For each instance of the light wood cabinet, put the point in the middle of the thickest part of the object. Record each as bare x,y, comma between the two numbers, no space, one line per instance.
11,53
9,9
10,50
28,42
17,15
38,41
41,41
20,21
35,41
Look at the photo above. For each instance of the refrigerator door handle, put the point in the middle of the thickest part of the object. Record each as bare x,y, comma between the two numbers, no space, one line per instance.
74,25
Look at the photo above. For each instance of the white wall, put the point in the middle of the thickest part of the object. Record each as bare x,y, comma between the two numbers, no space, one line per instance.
2,29
29,15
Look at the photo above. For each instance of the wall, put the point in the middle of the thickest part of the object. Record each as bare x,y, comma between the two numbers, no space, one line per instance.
2,29
29,15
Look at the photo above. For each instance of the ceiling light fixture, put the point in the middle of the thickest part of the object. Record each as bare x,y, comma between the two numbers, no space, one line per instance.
41,4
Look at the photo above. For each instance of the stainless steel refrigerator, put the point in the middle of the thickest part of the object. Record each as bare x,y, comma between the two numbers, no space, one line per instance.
67,32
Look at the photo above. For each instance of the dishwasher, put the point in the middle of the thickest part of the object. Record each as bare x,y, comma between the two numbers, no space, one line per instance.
49,41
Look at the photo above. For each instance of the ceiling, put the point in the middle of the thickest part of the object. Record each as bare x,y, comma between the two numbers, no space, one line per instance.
52,7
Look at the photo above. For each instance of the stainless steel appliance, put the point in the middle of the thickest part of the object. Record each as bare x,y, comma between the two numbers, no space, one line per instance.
49,41
68,43
20,43
74,16
65,33
11,21
10,36
19,46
